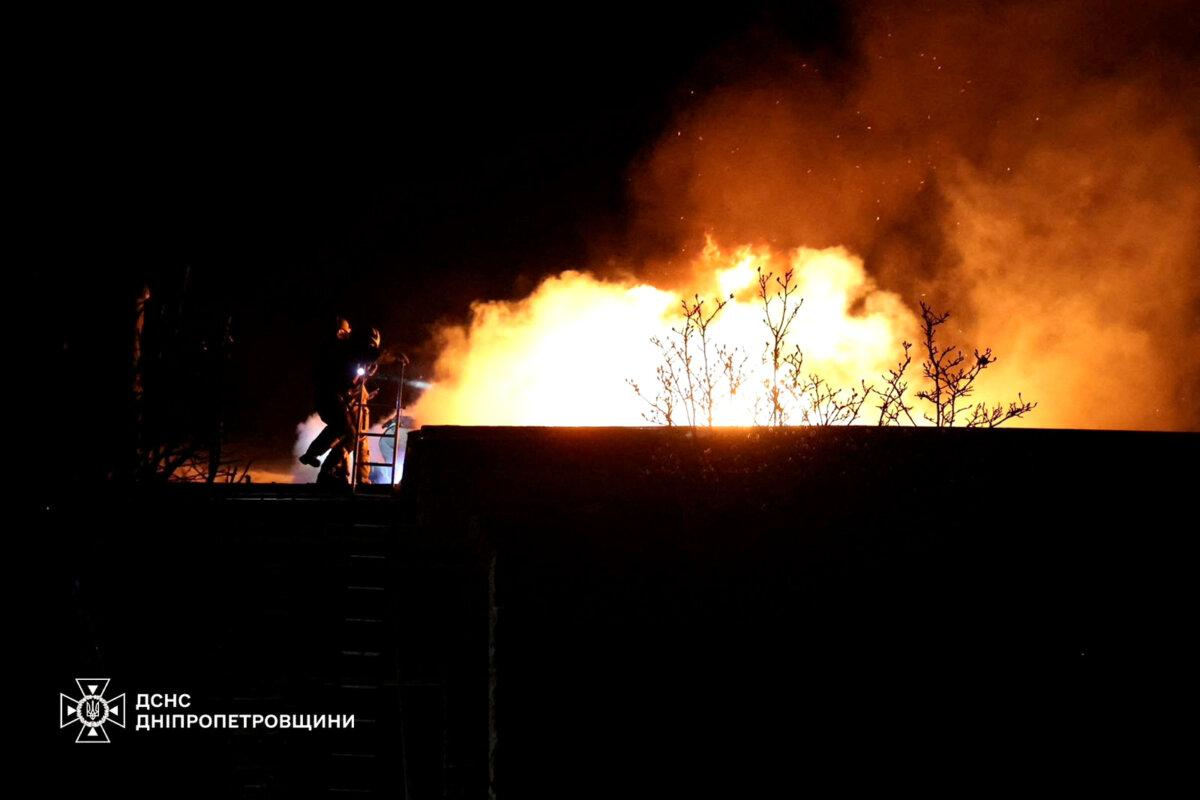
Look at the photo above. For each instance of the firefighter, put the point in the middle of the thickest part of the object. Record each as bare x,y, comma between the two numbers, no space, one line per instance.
345,362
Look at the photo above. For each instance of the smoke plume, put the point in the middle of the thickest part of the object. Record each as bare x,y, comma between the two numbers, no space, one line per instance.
1032,167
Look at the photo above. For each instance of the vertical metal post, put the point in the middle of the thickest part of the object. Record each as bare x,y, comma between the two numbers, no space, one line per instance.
358,414
396,430
353,460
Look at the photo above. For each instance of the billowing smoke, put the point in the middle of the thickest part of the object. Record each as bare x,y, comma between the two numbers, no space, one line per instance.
1032,167
305,432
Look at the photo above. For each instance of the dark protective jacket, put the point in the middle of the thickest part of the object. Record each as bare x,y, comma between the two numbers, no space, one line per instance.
333,375
338,364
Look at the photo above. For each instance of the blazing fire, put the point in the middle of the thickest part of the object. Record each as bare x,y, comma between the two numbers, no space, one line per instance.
563,355
1028,167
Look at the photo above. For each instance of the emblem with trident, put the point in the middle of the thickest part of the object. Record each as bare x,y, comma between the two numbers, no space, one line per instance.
91,710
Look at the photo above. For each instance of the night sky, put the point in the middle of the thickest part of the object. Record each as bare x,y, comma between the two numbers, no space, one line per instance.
390,169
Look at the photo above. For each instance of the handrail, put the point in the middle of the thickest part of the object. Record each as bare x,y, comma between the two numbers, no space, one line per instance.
360,435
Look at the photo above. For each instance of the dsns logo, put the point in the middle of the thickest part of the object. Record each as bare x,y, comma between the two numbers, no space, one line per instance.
91,710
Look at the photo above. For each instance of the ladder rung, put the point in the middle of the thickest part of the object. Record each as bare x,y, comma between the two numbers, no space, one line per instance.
387,464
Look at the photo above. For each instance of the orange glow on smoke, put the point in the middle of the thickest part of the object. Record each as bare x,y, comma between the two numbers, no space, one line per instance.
1029,167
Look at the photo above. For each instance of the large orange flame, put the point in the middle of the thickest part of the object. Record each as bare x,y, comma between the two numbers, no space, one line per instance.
562,356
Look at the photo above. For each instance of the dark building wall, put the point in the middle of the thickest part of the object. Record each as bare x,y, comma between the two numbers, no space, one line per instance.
681,611
584,612
270,601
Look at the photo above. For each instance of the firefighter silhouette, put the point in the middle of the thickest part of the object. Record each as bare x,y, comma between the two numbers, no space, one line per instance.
345,362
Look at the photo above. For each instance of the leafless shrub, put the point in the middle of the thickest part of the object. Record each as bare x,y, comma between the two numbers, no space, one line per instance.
201,468
693,368
952,375
818,401
832,406
778,325
695,371
661,402
983,416
182,349
891,398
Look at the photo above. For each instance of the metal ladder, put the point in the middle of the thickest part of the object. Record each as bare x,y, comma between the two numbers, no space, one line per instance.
362,433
